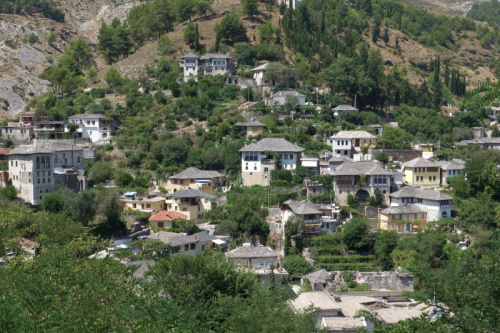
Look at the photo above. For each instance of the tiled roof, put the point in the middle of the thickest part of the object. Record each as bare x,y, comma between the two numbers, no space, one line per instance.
452,165
353,135
190,193
360,168
252,252
167,215
88,116
217,56
407,209
302,208
287,93
189,55
172,238
420,162
481,141
273,144
58,145
28,150
345,107
195,173
419,193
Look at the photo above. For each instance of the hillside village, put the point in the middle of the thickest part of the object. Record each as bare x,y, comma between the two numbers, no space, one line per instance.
287,175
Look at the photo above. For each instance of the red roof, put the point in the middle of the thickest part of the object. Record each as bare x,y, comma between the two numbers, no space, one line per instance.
3,152
167,215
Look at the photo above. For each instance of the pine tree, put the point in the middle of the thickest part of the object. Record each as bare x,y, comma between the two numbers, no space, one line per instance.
375,32
447,75
385,37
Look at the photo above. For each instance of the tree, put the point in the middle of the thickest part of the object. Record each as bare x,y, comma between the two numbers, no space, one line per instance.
197,47
189,34
83,206
382,157
101,171
123,178
9,192
377,198
385,243
231,29
165,45
480,213
250,7
375,32
293,230
355,234
113,78
53,202
296,265
92,75
385,37
80,50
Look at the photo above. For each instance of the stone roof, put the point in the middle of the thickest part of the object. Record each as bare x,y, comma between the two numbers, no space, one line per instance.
353,135
88,116
407,209
273,144
216,56
420,162
338,159
344,107
195,173
173,238
58,145
287,93
419,193
190,193
204,236
261,67
455,164
167,215
339,324
252,252
321,276
302,208
28,150
253,123
318,299
359,168
480,141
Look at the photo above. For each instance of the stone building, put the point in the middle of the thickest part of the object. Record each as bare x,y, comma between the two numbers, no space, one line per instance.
31,172
17,132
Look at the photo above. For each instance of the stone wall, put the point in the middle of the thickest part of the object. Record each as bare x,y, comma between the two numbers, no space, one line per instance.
398,155
386,280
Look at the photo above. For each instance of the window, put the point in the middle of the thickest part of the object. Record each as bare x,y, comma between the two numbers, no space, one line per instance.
407,217
415,216
49,180
251,156
148,205
193,246
186,247
430,178
444,214
254,130
434,178
400,216
393,226
134,206
93,122
291,156
38,180
266,170
393,217
160,224
255,167
379,180
16,164
88,122
422,216
181,181
43,180
184,209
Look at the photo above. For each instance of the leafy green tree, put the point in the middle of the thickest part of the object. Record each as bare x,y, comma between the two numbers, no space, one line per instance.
385,243
123,178
480,213
101,171
250,7
53,202
92,75
394,138
231,29
9,192
113,78
83,206
296,265
189,34
355,234
382,157
51,38
80,50
377,198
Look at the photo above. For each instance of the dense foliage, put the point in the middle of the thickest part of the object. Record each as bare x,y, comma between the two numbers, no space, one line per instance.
47,7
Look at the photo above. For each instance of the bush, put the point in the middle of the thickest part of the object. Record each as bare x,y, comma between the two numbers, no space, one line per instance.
32,38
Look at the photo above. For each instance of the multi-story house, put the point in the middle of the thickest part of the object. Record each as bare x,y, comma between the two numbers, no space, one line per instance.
147,204
483,143
17,132
295,3
349,143
89,126
260,158
260,81
251,128
421,172
208,64
436,204
49,129
261,260
450,169
196,179
403,219
192,203
31,172
361,179
281,98
317,218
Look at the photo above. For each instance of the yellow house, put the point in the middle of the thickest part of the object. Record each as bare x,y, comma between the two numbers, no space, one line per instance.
251,128
146,204
196,179
192,203
403,219
421,172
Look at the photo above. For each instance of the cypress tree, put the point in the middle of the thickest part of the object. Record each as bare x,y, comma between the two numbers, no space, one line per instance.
447,75
196,39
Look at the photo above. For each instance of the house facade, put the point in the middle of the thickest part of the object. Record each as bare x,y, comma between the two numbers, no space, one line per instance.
31,172
421,172
192,203
361,179
450,169
251,128
349,143
256,164
164,218
49,129
89,126
261,260
403,219
208,64
17,132
188,244
436,204
281,98
194,178
316,220
261,82
147,204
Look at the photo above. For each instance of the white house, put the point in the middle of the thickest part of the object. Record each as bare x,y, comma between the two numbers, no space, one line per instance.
295,3
349,143
451,169
282,97
435,203
256,165
260,81
31,172
208,64
89,126
261,260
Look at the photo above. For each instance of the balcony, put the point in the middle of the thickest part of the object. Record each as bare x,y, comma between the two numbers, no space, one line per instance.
267,161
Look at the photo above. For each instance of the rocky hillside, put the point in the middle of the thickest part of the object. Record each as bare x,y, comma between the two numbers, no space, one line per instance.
23,58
